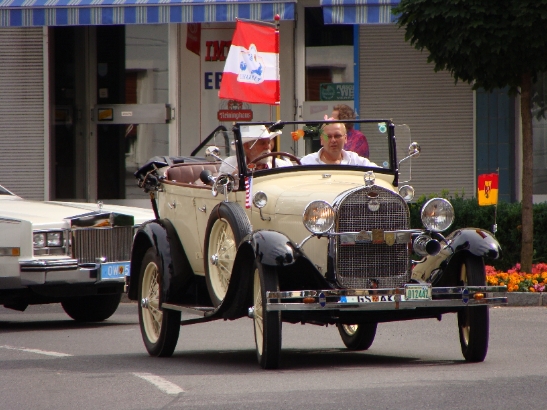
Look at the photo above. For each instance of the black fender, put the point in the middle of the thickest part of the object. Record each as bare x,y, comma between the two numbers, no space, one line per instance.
271,248
477,241
474,241
176,272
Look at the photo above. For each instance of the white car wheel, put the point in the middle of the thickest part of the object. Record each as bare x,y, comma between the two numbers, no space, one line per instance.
473,322
227,226
159,328
267,325
358,337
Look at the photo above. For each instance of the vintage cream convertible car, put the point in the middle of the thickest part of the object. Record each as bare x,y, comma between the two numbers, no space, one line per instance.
317,244
76,254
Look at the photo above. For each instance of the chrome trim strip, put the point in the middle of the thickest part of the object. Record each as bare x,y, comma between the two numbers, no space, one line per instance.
46,265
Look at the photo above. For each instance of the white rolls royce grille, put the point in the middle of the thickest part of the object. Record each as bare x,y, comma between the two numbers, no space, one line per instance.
367,264
114,244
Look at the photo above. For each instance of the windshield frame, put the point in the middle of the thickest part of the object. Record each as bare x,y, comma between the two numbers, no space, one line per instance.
244,172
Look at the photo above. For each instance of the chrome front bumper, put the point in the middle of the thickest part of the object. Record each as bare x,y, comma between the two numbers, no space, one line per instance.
384,299
63,271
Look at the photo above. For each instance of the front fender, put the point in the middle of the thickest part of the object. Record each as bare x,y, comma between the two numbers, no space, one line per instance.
476,241
270,248
273,248
176,271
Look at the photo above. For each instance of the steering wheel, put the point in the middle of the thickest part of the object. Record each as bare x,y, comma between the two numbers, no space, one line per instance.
275,154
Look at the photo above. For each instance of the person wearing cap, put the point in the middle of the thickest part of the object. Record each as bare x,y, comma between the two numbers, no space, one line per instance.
333,138
256,141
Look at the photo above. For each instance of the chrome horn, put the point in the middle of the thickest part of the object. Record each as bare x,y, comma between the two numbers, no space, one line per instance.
424,245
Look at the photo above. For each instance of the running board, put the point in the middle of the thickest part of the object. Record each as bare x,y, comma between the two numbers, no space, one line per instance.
206,313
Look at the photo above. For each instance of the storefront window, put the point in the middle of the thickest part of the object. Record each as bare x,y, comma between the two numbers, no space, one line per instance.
329,57
146,82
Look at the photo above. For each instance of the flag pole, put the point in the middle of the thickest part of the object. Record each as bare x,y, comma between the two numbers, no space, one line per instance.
495,226
277,18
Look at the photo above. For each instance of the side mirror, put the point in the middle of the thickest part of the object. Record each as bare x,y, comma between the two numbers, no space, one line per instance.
414,150
212,153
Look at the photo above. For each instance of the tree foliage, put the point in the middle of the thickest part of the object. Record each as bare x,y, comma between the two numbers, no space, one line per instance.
489,43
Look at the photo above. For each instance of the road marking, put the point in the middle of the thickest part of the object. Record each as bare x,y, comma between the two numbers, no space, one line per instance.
44,352
162,384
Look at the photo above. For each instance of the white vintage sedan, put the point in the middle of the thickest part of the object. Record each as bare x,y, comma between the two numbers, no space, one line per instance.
76,254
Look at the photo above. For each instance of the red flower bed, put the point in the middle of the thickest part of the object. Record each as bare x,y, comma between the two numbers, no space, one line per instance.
517,281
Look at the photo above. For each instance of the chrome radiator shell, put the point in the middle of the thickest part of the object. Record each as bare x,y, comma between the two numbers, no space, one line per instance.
112,243
367,264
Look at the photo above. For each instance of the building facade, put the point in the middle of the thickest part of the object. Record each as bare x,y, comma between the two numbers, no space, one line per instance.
91,92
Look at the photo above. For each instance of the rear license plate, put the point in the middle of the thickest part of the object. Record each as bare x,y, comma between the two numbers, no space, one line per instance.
417,292
114,270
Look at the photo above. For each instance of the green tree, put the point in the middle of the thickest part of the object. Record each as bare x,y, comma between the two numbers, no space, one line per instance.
490,44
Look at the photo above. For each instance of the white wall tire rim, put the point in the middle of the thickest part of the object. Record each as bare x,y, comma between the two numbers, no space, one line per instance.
152,316
222,253
258,313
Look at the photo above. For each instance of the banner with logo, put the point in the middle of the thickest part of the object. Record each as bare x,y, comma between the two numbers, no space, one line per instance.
193,37
251,73
488,189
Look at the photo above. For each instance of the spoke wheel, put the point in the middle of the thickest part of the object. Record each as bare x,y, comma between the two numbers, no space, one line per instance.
227,226
267,325
357,337
159,329
473,322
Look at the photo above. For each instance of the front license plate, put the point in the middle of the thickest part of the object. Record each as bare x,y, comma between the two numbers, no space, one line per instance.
114,270
417,292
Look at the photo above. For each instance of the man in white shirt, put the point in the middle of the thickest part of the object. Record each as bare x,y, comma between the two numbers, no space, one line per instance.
333,137
256,142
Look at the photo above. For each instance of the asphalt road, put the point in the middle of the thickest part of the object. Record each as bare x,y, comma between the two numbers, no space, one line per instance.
48,361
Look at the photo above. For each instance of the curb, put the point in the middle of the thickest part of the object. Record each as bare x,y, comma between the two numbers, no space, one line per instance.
526,299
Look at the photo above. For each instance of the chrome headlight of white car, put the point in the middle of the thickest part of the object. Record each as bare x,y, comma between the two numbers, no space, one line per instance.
437,214
318,217
48,242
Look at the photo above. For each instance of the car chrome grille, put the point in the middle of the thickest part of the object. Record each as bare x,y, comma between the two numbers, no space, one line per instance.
114,244
359,263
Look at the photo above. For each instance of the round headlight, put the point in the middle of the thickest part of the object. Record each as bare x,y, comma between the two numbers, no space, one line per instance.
407,192
260,199
437,214
318,217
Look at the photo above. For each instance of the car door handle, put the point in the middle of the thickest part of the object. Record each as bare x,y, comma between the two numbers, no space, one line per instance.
203,208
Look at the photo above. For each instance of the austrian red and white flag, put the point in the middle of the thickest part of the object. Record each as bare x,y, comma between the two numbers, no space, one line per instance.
251,73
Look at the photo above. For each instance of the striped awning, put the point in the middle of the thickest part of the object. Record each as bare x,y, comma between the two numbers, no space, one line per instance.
28,13
358,11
